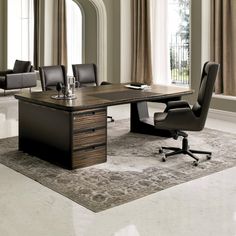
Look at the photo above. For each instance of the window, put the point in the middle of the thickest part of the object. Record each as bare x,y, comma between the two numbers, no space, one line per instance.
20,31
74,34
170,32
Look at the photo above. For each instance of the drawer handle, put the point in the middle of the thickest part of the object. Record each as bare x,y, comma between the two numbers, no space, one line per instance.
89,149
86,114
90,131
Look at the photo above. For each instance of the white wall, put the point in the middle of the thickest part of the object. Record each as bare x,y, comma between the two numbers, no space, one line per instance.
206,30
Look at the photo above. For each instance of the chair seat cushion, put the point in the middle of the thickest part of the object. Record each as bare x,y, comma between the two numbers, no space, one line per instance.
159,116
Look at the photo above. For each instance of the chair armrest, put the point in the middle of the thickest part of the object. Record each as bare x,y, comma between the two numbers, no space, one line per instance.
3,73
176,104
21,80
178,119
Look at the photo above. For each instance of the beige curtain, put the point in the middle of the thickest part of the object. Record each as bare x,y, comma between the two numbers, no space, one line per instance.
141,51
39,13
223,41
36,33
59,40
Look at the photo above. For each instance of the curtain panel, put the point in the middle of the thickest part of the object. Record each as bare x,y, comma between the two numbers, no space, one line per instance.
223,44
38,41
141,42
36,34
60,37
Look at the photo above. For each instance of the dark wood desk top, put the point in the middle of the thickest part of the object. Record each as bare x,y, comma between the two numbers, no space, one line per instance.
102,96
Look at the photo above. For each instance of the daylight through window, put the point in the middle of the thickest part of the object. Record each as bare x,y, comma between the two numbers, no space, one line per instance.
20,31
170,32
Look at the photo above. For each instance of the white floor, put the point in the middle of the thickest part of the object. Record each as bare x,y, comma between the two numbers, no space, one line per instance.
203,207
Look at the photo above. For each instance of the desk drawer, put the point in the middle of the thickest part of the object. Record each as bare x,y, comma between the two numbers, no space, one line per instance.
89,138
90,119
89,156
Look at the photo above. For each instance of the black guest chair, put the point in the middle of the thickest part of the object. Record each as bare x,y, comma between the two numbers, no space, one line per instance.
179,116
86,75
51,75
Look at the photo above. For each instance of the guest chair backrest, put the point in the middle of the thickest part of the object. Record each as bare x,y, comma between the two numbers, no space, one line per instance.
85,74
51,75
206,88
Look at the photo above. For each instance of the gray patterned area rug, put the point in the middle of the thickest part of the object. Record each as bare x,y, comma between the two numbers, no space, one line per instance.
134,168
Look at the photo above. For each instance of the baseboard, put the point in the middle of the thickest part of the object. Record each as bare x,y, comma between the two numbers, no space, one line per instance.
222,115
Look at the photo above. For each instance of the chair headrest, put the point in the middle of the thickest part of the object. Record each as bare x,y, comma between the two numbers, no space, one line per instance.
207,67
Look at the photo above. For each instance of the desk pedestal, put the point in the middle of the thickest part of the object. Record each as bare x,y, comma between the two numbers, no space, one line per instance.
69,139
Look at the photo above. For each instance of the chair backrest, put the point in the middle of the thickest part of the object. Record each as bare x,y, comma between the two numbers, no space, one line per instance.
21,66
51,75
206,89
85,74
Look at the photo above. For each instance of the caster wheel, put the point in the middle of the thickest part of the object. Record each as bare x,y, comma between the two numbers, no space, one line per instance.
209,157
160,150
195,163
163,159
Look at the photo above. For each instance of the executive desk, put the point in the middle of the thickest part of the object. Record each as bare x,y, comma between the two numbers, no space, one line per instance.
73,133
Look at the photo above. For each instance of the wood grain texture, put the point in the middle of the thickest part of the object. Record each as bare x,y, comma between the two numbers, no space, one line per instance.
89,138
90,156
89,119
89,133
88,97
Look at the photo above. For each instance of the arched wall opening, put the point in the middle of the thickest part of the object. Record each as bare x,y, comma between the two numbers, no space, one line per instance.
74,29
95,35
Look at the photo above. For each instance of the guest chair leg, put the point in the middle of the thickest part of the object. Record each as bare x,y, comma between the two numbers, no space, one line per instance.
4,92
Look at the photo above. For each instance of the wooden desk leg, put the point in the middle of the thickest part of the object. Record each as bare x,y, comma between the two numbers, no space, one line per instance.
140,122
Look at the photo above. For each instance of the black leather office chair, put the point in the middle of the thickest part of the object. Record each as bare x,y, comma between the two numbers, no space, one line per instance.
51,75
179,116
86,75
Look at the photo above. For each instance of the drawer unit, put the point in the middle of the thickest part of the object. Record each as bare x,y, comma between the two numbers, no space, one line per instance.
90,137
89,156
89,119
